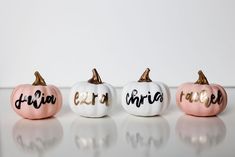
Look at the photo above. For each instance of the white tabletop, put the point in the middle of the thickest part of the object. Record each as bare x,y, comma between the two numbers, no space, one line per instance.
119,134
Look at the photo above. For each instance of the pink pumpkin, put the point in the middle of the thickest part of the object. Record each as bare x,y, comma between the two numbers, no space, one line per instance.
201,98
36,101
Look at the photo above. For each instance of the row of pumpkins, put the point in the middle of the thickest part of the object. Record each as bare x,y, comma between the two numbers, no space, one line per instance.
94,98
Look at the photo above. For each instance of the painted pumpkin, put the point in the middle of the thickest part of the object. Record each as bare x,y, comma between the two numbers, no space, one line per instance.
201,98
92,98
145,97
36,101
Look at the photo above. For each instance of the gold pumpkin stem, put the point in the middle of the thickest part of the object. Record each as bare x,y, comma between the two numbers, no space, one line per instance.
95,78
39,81
145,76
202,79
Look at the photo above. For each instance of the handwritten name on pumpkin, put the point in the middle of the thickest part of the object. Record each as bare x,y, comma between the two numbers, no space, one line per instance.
133,98
202,97
37,100
90,98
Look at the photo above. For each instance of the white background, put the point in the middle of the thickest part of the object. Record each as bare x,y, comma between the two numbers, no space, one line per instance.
64,40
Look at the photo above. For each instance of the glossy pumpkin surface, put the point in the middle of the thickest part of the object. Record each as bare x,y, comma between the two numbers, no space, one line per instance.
36,101
201,98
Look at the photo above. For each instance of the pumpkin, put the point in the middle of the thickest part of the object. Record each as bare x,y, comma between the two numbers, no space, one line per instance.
201,98
36,101
145,97
201,133
92,98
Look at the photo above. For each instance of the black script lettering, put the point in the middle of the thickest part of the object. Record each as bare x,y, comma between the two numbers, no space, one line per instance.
37,100
139,100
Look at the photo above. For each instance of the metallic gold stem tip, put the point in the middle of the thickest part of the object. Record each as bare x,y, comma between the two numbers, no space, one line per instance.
145,76
202,78
95,78
39,81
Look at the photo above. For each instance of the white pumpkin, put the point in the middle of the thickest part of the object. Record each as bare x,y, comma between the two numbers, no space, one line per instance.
92,98
145,98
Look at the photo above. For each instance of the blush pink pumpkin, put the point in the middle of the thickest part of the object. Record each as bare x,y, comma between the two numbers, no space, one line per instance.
201,98
36,101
